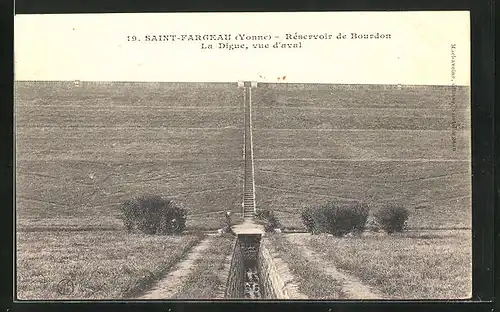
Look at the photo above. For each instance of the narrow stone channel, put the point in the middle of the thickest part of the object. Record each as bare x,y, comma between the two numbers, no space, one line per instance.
252,281
256,272
249,245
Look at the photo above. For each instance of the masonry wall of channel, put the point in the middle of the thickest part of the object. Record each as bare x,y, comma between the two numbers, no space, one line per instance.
235,281
252,253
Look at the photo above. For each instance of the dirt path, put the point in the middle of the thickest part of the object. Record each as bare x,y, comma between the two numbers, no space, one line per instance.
351,286
172,282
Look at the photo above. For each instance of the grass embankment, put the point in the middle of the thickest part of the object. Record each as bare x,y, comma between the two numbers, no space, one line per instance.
82,151
425,265
318,142
93,264
208,276
436,193
311,280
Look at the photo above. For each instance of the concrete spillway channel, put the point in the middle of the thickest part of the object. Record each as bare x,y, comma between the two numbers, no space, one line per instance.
249,183
254,272
244,268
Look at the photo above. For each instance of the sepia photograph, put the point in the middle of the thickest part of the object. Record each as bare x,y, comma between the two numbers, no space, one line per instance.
220,156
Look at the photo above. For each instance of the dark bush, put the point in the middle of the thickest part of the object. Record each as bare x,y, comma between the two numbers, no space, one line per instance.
392,218
307,215
153,215
268,219
336,219
314,219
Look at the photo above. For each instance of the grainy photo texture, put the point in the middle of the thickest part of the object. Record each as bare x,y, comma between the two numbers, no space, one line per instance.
243,155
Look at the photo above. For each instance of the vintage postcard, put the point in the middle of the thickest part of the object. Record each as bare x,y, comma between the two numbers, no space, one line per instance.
243,155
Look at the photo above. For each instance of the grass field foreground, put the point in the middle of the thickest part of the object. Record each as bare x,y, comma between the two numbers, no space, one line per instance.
311,280
413,265
208,278
93,264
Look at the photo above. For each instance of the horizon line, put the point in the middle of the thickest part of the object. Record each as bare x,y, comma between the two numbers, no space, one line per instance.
258,82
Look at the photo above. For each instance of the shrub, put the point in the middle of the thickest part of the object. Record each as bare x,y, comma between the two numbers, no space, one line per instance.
343,219
268,219
153,215
392,218
307,215
314,219
336,219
